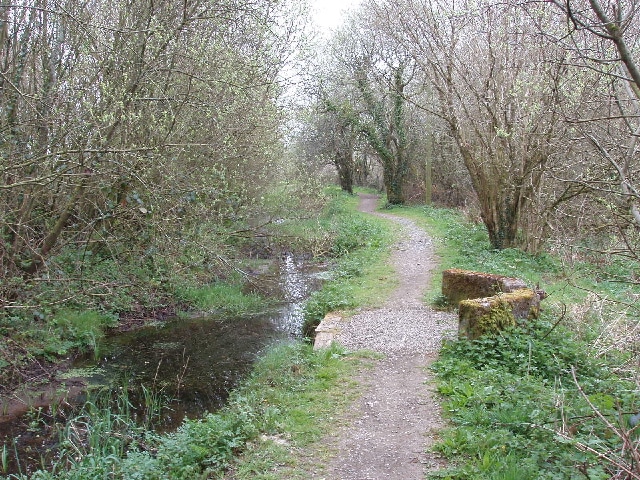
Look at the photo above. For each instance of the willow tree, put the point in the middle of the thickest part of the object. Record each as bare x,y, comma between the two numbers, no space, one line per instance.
496,84
129,125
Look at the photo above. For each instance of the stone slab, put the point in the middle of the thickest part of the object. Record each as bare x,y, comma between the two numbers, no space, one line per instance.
327,331
458,285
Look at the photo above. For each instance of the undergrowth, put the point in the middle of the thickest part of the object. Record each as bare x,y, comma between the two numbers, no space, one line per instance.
290,396
463,244
92,292
518,412
552,399
285,404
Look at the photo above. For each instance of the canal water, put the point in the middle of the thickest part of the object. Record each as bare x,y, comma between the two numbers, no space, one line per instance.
193,363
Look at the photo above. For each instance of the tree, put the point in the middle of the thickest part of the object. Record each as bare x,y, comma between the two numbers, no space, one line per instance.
366,90
496,85
382,122
129,128
335,138
602,38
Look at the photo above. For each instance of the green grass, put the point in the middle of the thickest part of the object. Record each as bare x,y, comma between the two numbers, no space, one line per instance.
514,408
55,333
221,297
306,417
464,244
516,411
287,402
25,339
96,289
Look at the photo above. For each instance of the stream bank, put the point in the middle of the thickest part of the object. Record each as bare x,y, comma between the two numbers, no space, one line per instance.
188,364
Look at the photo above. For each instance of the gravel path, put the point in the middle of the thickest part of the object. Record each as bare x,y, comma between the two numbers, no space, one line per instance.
394,423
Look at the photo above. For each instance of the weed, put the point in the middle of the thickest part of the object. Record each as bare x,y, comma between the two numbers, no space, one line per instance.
221,297
82,328
291,394
515,409
34,419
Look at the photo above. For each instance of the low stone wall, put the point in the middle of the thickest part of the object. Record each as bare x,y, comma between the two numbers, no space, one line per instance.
327,331
488,303
480,316
458,285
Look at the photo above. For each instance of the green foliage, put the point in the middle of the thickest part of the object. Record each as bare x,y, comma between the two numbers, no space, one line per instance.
121,199
337,231
221,297
464,244
85,327
507,396
292,392
515,409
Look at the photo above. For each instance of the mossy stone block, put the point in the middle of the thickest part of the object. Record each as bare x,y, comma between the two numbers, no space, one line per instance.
490,315
458,285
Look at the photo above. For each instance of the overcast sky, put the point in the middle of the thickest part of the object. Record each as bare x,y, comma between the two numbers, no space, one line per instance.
328,14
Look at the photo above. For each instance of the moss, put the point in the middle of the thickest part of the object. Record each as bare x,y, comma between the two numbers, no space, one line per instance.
492,314
499,317
525,303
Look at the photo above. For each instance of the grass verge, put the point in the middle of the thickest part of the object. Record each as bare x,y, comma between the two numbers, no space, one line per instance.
362,275
287,401
518,412
546,400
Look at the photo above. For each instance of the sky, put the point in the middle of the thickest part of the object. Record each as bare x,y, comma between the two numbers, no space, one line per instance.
328,14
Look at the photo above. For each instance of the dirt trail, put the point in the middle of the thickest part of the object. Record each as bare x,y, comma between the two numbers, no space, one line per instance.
393,425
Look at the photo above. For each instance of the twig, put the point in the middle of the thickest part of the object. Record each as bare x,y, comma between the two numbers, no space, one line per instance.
564,312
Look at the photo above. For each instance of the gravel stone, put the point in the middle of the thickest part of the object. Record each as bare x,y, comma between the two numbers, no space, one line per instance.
389,432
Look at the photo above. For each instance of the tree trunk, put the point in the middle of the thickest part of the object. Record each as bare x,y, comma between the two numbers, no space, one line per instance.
386,134
38,258
428,173
500,204
501,218
394,185
344,164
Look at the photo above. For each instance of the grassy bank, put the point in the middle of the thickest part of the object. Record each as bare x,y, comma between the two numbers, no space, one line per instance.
553,399
287,403
362,275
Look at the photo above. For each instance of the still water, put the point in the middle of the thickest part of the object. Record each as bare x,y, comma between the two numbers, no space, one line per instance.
193,362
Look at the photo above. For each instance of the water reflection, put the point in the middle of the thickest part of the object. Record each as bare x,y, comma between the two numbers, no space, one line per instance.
194,362
197,361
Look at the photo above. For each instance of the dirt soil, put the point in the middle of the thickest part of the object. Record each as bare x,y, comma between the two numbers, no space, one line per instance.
390,430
